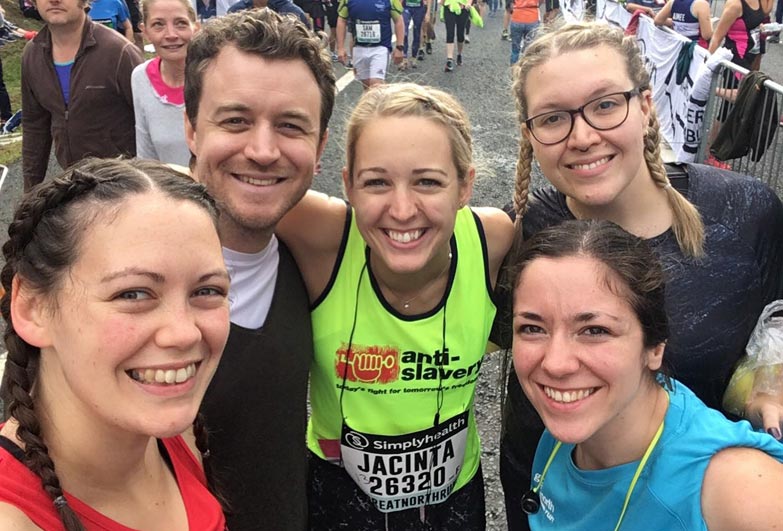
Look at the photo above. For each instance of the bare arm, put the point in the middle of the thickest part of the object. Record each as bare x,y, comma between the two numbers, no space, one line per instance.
663,17
741,491
341,28
731,12
313,231
701,9
13,519
127,29
399,30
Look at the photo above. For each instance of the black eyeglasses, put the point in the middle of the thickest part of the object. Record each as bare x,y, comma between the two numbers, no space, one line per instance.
602,113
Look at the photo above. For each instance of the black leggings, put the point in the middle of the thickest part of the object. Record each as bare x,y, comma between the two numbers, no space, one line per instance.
337,503
453,20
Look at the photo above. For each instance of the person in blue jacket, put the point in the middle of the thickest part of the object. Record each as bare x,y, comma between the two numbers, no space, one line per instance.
624,445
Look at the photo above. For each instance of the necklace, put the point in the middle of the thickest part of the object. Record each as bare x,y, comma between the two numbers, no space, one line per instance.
406,304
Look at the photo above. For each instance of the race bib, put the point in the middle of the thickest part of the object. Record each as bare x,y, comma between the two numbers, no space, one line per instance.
405,471
413,3
755,34
368,31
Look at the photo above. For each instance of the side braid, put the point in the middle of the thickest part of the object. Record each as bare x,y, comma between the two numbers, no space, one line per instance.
201,434
23,358
687,223
522,180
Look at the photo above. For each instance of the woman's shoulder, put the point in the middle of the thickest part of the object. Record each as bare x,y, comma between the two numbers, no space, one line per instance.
546,207
139,73
732,198
13,519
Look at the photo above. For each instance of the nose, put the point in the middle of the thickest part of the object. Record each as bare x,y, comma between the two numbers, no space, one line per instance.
583,135
262,145
178,329
403,205
560,356
170,31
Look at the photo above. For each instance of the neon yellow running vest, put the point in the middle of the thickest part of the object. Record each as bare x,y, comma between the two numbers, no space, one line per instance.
398,394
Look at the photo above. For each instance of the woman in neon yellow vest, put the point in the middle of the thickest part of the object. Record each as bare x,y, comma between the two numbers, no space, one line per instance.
401,282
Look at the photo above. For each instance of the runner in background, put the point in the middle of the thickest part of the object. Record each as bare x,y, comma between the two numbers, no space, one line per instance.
524,23
372,31
689,18
416,11
456,14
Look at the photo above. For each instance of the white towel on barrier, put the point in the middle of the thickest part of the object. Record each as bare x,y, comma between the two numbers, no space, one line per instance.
697,101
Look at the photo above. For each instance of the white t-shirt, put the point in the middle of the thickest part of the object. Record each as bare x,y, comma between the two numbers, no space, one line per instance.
253,279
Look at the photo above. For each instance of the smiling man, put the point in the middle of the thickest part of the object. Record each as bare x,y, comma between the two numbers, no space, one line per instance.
259,92
76,90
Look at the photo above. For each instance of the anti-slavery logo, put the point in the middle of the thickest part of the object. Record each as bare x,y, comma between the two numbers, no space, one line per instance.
373,364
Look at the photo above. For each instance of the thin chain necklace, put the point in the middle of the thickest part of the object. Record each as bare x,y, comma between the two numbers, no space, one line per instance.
406,304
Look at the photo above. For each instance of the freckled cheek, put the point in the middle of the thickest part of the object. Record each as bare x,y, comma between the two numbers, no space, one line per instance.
118,333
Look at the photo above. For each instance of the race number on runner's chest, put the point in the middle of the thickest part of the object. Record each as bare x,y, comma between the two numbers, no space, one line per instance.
404,471
368,31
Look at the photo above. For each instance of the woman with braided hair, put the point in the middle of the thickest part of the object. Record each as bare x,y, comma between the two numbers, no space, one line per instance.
113,333
587,117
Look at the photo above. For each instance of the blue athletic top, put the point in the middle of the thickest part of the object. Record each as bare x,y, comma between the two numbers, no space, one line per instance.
371,20
684,21
668,492
111,13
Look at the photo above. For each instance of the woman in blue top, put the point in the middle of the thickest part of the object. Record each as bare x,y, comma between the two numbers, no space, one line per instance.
624,446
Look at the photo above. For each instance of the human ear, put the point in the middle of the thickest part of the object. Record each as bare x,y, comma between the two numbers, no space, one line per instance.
655,356
190,134
347,185
322,144
525,131
646,103
466,187
30,314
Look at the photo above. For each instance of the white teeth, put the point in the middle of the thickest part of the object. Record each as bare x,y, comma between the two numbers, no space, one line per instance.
161,376
405,237
567,397
591,165
257,182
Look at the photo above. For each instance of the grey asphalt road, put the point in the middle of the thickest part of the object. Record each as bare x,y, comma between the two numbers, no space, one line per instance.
483,86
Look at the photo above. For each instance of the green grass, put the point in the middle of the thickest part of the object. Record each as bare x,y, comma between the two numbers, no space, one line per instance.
11,54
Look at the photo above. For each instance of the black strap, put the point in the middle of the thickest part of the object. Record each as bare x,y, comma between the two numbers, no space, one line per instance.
12,448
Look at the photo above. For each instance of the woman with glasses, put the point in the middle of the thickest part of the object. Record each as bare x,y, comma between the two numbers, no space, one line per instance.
587,117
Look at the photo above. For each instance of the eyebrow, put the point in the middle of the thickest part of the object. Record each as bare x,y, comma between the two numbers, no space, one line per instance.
584,317
417,171
157,277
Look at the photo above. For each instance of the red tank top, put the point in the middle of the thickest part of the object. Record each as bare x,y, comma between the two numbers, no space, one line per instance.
21,488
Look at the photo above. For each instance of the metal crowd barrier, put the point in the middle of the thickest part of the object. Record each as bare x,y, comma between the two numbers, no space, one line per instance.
766,166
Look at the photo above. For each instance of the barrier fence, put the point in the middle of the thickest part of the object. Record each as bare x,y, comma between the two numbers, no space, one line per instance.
764,157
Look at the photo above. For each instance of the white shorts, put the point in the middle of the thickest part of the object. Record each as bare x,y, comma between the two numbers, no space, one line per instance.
370,62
